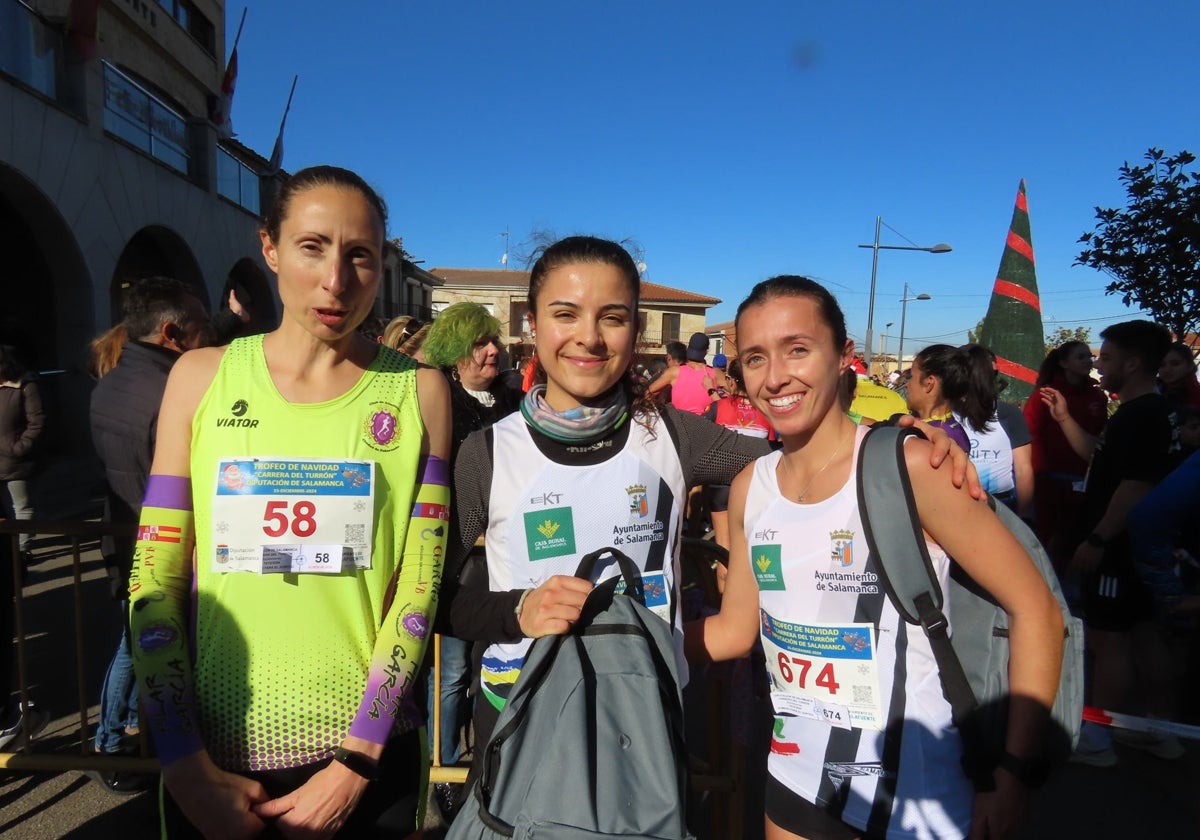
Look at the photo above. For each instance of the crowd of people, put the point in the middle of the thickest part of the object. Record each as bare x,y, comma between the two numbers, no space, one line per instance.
315,502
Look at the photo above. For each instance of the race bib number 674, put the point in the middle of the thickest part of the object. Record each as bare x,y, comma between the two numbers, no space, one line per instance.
825,672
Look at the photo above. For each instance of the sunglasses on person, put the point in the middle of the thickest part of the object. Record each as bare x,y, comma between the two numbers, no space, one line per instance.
410,329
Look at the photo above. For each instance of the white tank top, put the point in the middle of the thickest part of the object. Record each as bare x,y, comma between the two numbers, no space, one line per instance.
861,726
992,455
543,516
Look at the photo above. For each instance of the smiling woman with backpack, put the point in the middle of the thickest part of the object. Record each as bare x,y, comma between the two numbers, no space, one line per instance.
589,463
863,743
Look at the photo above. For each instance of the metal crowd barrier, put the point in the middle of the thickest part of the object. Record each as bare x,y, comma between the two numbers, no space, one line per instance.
28,760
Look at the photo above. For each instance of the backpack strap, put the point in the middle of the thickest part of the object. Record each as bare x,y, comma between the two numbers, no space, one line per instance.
888,512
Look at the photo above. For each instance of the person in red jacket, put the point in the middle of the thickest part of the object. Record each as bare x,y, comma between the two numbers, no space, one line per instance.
1058,471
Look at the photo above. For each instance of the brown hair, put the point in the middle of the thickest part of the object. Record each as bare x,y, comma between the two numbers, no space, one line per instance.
320,176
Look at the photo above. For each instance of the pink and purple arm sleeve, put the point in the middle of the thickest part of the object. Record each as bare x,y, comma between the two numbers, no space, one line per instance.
408,622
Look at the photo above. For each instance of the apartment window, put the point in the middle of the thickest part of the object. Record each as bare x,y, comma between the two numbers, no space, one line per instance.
518,319
670,327
30,50
193,21
237,181
138,117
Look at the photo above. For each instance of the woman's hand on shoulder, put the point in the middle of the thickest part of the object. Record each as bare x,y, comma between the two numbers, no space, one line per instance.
962,471
551,608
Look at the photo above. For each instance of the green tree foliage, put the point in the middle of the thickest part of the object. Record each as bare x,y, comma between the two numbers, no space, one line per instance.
975,336
1062,335
1151,247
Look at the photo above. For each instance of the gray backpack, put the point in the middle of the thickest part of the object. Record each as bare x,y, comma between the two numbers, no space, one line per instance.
972,650
590,743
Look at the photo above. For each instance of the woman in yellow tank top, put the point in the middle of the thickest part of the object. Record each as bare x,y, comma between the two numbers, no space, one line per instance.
368,602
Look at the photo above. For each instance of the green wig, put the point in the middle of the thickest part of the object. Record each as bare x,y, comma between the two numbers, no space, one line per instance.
455,331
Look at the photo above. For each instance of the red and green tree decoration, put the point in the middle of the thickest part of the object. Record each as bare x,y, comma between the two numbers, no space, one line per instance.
1012,328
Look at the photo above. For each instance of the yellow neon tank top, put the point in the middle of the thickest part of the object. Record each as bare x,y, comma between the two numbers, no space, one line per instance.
281,659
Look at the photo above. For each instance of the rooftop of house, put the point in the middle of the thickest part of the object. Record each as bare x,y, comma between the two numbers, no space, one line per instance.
501,278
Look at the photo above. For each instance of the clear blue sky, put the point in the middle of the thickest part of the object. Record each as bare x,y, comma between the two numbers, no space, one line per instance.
734,141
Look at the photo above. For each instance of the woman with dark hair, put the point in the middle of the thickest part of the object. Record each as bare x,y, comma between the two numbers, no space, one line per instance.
308,469
1057,471
1000,443
590,462
863,742
21,423
1177,382
938,383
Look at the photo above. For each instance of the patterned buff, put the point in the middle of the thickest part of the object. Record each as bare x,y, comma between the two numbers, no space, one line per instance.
575,425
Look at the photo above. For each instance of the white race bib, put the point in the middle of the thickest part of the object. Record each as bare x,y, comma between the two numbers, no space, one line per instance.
303,516
825,672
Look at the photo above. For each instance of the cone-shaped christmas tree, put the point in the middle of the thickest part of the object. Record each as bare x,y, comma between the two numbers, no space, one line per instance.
1013,325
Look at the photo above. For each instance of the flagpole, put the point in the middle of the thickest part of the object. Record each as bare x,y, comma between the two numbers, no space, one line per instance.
238,36
275,164
288,106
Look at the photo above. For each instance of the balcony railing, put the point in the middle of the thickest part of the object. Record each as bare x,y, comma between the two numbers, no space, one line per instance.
30,49
237,181
136,116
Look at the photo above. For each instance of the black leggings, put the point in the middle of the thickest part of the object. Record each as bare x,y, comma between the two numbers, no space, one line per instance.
387,810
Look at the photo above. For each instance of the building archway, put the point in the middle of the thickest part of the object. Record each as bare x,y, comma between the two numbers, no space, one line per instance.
47,313
253,289
155,250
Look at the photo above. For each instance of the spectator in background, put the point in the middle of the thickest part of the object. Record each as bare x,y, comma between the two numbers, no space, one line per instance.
693,384
464,342
719,366
22,421
162,319
106,350
1001,447
1133,666
406,334
938,383
1057,470
661,385
1178,385
242,313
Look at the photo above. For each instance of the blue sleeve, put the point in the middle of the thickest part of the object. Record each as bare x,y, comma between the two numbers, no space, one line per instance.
1155,523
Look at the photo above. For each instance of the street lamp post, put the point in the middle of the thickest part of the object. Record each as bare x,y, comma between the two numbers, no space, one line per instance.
940,248
904,311
883,346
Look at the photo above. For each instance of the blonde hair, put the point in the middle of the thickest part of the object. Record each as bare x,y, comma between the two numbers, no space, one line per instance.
106,350
398,335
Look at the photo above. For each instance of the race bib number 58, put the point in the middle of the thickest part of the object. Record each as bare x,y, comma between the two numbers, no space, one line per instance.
282,516
824,672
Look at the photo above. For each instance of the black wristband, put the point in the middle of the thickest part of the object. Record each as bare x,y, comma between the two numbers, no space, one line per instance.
1031,772
357,763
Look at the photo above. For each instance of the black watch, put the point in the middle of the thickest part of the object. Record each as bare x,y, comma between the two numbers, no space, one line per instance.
357,763
1030,772
1095,540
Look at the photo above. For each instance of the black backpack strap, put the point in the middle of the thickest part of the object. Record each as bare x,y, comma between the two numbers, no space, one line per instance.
893,529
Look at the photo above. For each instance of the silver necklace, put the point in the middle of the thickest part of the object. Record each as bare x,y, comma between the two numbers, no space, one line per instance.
817,474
